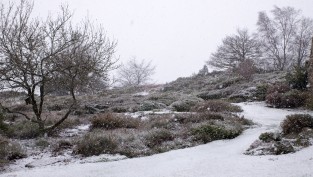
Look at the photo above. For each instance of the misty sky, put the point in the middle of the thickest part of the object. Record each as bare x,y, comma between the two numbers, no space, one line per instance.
177,35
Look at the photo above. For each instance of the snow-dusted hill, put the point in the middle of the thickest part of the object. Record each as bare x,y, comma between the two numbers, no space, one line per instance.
216,159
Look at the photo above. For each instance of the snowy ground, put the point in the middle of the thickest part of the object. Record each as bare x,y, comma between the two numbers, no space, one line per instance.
216,159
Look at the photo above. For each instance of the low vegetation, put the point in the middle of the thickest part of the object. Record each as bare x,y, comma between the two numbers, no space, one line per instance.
95,143
216,106
297,133
207,133
296,123
9,151
113,121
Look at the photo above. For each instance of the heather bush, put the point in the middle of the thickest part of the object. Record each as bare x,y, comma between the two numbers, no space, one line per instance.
296,122
150,105
198,117
160,121
207,133
184,105
290,99
10,151
23,130
113,121
278,88
246,69
95,143
157,137
216,106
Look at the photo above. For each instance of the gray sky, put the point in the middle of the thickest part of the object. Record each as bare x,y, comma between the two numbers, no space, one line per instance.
177,35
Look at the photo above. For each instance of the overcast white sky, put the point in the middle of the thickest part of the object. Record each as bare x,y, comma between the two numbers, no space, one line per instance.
177,35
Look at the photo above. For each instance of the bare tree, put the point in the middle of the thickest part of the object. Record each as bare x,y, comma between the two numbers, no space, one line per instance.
302,41
86,63
234,50
35,53
284,37
135,73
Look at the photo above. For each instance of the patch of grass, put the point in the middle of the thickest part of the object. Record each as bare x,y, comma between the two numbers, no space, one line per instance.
207,133
296,122
95,143
113,121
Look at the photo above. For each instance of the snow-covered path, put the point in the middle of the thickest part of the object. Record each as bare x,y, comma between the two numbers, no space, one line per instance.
216,159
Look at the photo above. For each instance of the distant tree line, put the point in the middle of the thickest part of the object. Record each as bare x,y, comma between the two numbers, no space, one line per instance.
281,42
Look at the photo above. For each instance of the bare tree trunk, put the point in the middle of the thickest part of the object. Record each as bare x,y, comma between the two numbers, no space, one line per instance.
310,68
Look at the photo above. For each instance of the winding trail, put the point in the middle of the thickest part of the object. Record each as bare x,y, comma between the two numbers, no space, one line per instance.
216,159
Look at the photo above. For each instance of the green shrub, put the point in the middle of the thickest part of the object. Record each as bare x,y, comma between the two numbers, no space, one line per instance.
208,133
113,121
261,91
157,137
298,78
296,122
216,106
269,136
95,143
